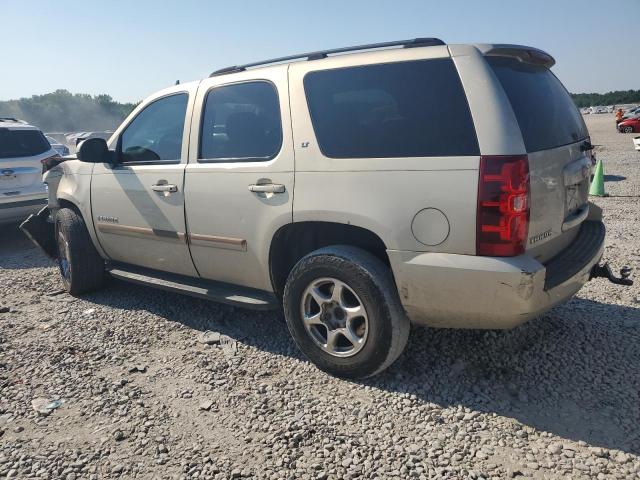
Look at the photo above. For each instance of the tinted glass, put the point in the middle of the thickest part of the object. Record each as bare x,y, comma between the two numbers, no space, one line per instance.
22,143
407,109
546,114
241,122
156,132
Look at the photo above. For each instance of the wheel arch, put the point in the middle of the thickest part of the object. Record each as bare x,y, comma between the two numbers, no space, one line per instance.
63,201
293,241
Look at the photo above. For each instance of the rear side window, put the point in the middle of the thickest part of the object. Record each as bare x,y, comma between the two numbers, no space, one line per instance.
547,116
405,109
22,143
241,122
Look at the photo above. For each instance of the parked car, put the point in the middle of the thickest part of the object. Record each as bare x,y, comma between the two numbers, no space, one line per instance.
630,125
631,112
23,148
77,137
445,185
62,149
636,143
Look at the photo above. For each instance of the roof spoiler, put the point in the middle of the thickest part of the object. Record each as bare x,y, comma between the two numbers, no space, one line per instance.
522,53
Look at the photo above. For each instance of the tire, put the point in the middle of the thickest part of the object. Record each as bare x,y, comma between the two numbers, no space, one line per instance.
379,327
80,265
627,129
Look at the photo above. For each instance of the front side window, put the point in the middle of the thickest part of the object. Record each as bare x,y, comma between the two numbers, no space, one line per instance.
404,109
156,132
241,122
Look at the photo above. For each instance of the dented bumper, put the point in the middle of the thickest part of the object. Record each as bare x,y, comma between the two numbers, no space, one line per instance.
41,231
464,291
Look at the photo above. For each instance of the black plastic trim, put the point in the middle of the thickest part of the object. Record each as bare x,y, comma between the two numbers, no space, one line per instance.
576,256
235,295
24,203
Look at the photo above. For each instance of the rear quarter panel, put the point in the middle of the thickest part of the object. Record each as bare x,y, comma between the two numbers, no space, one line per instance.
385,194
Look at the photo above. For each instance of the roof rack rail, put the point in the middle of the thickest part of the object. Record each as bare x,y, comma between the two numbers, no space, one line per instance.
11,119
414,42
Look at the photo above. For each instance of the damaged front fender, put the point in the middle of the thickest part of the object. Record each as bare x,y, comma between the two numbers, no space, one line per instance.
39,228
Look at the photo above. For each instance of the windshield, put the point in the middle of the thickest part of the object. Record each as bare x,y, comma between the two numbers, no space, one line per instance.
546,114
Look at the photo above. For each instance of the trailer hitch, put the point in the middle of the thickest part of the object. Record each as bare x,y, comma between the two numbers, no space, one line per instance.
606,272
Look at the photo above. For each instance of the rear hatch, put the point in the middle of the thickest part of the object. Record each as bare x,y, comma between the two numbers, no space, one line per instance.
21,152
557,144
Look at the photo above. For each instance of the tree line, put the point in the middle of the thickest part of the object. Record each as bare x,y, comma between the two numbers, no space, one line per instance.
62,111
610,98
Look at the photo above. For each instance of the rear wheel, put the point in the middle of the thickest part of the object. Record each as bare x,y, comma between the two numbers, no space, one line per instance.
81,267
343,311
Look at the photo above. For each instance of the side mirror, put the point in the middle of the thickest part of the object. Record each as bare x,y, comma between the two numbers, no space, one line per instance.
95,150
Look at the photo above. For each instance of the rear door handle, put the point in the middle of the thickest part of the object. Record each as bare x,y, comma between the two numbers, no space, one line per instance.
267,188
164,187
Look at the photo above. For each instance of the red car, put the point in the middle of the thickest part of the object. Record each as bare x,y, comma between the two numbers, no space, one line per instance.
629,125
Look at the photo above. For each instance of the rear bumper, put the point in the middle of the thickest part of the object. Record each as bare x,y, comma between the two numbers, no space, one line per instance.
463,291
19,209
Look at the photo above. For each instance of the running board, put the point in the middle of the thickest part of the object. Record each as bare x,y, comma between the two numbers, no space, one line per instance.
196,287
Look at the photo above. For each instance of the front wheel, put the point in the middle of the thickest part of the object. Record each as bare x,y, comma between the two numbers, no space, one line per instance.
627,129
343,311
81,267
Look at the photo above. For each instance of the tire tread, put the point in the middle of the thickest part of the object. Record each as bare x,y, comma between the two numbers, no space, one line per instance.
87,267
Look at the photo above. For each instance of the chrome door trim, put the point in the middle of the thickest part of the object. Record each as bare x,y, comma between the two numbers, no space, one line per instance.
139,231
228,243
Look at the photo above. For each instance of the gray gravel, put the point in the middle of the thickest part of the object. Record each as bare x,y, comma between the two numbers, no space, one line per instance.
147,393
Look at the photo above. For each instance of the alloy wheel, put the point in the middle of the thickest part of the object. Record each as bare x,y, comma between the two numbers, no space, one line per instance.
334,317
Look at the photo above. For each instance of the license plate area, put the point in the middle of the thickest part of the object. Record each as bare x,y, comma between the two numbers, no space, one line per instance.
6,178
576,185
16,177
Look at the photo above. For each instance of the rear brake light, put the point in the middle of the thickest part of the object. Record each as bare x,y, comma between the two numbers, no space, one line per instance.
49,162
52,157
503,205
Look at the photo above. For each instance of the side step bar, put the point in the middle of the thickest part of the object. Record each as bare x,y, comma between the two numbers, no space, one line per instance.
196,287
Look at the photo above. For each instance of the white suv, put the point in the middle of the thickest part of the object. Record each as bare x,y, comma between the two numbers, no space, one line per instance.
23,149
445,185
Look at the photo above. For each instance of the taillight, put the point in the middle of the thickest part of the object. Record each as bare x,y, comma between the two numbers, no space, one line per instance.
503,205
49,162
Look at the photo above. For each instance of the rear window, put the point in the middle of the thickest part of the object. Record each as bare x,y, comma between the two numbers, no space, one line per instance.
22,143
546,114
405,109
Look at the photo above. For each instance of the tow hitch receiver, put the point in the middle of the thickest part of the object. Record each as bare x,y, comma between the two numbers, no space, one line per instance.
605,272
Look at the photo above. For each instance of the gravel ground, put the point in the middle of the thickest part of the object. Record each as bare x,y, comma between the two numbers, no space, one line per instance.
144,396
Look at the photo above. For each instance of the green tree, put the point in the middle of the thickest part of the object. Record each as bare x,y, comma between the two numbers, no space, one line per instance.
63,111
610,98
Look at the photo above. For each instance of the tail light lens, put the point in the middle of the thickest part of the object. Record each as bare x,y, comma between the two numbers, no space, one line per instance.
503,205
49,162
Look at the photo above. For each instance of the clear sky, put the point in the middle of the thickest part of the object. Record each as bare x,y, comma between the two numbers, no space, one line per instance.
128,49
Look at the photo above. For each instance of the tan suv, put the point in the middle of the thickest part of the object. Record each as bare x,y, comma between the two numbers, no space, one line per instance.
361,188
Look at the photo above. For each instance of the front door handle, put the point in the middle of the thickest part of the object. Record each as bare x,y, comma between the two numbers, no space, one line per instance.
164,187
267,188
